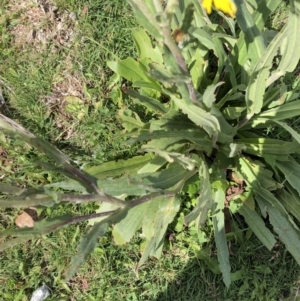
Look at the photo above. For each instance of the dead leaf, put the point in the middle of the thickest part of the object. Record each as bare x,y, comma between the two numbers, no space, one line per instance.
24,220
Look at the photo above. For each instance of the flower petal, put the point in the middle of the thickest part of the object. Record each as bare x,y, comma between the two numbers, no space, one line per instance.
207,5
226,6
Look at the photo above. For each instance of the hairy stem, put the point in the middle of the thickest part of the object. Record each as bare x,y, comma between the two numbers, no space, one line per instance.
170,43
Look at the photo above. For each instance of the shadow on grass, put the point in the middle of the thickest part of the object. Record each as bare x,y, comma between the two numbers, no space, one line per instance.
257,274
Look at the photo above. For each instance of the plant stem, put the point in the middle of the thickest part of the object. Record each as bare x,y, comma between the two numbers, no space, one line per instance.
103,197
82,218
170,43
149,197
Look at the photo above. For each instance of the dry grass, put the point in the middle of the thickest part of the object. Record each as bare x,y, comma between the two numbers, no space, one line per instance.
41,24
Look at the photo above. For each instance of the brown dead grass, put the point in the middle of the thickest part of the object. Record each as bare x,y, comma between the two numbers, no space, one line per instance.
41,25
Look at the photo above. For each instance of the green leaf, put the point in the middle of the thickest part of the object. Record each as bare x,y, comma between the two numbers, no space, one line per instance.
286,232
196,67
266,146
199,116
209,94
256,175
165,76
12,129
290,201
40,228
135,184
128,68
233,113
291,171
153,165
210,41
86,245
15,242
160,213
145,18
144,46
147,85
116,168
220,236
232,94
257,82
185,161
251,36
264,9
151,103
6,188
21,201
197,136
130,120
256,223
126,228
284,111
294,134
291,55
204,201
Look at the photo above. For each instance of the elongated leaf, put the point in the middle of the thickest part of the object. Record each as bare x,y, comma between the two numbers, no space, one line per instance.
128,68
294,134
204,201
291,202
209,95
116,168
151,103
171,157
253,39
154,165
266,146
15,242
220,236
233,113
264,119
287,233
257,85
160,213
291,55
89,242
260,15
130,120
29,201
126,228
199,116
256,175
284,111
145,18
144,46
135,184
86,245
203,37
147,85
12,129
197,136
291,171
196,68
264,9
211,42
256,223
6,188
40,228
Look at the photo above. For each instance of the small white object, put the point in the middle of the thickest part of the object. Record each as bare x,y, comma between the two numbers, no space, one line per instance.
41,293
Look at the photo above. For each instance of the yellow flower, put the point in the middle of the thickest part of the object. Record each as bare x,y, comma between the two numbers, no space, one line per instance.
226,6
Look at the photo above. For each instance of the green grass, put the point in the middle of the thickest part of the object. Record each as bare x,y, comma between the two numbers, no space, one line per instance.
33,78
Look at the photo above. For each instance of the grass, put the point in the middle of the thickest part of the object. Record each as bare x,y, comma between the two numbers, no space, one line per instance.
37,76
